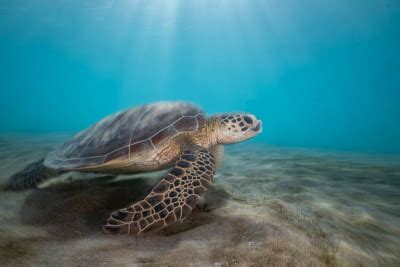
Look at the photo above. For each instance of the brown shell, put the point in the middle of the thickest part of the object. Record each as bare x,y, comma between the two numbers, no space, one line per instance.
126,134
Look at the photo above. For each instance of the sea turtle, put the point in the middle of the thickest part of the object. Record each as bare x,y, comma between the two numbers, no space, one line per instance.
148,138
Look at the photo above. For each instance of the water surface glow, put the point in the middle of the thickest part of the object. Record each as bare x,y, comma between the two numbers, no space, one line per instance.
320,74
320,185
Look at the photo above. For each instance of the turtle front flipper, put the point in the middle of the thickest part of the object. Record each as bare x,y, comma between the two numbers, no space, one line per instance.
171,200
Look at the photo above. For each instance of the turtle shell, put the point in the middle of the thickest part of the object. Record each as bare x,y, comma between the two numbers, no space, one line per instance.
126,134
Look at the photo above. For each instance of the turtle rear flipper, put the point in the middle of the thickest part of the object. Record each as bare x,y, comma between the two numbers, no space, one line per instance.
30,176
171,200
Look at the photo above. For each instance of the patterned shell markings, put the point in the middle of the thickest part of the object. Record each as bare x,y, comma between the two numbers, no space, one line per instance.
125,134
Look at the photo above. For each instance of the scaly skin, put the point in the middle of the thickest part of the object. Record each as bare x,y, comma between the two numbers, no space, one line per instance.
215,132
179,191
207,136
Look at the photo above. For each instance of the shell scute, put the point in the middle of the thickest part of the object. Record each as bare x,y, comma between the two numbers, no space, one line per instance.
126,134
186,124
163,136
120,153
140,147
201,120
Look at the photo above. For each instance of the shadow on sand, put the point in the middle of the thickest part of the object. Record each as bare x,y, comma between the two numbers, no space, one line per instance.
81,208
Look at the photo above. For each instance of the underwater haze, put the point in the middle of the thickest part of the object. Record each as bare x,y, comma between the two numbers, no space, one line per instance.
320,74
320,186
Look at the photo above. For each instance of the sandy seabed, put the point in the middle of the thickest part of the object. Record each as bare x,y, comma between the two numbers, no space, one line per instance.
267,206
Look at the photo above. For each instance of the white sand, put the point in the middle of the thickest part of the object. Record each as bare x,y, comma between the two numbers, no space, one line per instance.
268,206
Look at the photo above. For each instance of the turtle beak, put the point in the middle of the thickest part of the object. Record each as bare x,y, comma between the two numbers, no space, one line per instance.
258,127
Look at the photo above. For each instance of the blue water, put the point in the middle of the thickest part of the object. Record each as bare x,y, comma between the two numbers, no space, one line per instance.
313,188
321,74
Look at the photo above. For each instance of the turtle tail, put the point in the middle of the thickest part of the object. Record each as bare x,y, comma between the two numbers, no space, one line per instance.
30,176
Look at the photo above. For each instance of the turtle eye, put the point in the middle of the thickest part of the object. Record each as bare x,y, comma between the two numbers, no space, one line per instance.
248,120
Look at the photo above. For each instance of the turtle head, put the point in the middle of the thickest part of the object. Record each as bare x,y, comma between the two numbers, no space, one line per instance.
237,127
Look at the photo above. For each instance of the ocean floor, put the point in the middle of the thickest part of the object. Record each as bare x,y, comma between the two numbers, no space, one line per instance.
268,206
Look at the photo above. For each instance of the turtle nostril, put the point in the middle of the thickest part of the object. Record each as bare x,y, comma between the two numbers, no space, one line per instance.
248,120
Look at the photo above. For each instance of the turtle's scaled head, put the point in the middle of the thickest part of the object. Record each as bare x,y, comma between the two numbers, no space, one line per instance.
237,127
